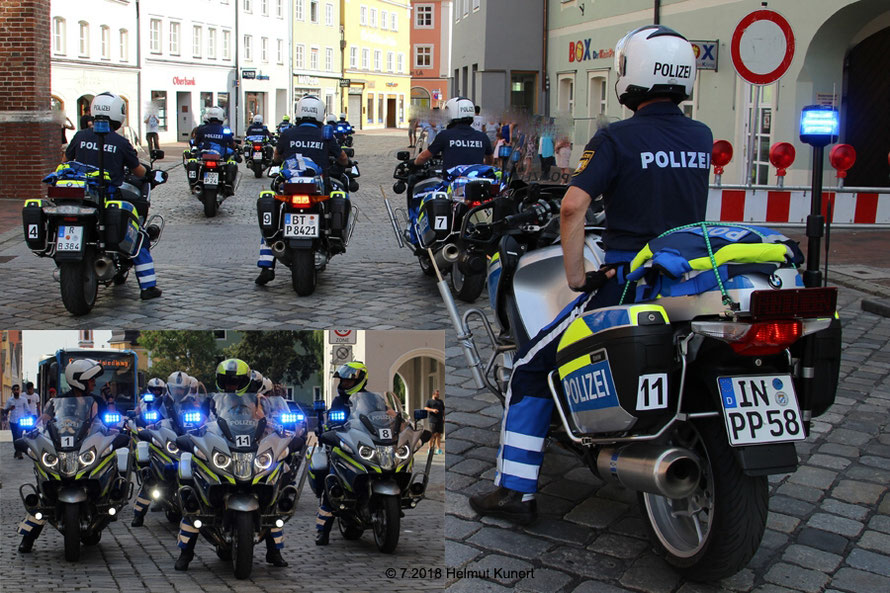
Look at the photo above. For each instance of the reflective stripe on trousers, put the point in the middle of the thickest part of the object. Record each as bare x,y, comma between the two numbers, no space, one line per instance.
141,505
277,535
29,523
324,518
188,534
144,266
267,259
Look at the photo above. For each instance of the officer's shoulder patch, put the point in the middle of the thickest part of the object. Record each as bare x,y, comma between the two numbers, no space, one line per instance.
582,164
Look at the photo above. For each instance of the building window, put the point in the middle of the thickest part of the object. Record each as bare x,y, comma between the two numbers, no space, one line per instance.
565,94
211,44
105,41
466,4
401,68
423,16
329,59
329,14
378,57
159,104
370,108
299,59
313,58
760,165
219,334
264,7
264,49
155,36
389,61
280,51
298,10
393,21
476,5
84,39
372,19
383,15
380,100
247,6
313,11
279,8
124,45
353,57
227,45
423,56
366,59
197,40
174,39
248,48
363,15
59,36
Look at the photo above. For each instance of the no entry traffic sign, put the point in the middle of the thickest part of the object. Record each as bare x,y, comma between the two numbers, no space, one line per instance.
762,47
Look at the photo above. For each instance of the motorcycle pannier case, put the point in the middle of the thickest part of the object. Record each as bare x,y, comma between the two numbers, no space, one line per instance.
121,227
268,211
338,206
34,225
435,219
318,469
816,376
191,167
617,370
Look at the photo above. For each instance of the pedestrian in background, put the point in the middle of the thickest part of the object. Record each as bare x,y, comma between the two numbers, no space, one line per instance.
86,121
152,124
17,408
32,398
563,150
436,408
546,152
412,130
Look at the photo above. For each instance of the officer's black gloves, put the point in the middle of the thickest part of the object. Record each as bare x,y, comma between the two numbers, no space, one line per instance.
595,280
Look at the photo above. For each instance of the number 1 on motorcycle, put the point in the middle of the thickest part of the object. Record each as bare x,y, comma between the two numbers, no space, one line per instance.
67,442
242,440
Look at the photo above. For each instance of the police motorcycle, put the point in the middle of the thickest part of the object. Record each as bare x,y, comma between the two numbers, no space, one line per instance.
236,474
364,464
307,217
82,465
432,222
343,132
92,239
694,394
212,177
155,429
258,152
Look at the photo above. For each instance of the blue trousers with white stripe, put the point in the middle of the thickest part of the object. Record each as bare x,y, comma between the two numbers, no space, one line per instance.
267,259
144,267
529,404
188,536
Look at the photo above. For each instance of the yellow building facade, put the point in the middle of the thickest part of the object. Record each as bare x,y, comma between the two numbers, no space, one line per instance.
376,54
316,52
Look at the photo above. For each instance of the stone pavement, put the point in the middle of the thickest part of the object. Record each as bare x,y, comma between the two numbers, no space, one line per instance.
141,558
828,527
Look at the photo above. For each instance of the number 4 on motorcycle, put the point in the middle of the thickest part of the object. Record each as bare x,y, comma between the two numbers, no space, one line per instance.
32,231
652,392
242,440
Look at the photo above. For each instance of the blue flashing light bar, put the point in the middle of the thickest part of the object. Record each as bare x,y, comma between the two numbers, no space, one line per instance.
111,418
150,415
300,417
288,418
819,125
148,397
318,405
192,417
337,416
26,422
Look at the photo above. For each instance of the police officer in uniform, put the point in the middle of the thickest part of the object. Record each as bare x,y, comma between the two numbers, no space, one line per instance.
307,138
285,123
652,171
119,153
213,135
258,128
459,144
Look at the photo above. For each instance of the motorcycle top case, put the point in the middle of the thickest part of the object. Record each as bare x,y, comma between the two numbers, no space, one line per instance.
268,211
617,369
435,219
34,225
121,227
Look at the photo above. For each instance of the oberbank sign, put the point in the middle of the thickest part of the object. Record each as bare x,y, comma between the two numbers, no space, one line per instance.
579,51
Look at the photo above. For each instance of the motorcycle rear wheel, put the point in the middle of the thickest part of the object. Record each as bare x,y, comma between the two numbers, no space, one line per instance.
257,169
303,273
208,198
716,531
348,531
466,287
79,284
242,545
387,523
71,513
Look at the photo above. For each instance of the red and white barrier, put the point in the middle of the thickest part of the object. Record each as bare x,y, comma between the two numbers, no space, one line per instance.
790,206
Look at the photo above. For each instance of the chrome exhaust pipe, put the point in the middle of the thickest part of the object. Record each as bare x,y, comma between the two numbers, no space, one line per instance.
279,247
104,268
188,500
447,255
288,499
672,472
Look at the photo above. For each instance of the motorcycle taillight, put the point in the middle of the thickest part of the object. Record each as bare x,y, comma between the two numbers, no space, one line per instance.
761,338
257,147
210,164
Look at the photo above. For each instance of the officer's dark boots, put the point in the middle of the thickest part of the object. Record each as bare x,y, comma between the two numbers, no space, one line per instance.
505,503
185,556
28,539
273,554
322,537
138,520
150,293
266,276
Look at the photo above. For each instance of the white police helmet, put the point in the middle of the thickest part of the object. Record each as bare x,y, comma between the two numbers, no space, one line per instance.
215,114
332,119
258,119
343,116
79,372
459,109
310,108
178,384
267,386
110,106
653,61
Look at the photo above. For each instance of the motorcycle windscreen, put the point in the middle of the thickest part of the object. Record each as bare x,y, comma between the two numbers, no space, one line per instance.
380,419
278,413
241,414
188,409
71,413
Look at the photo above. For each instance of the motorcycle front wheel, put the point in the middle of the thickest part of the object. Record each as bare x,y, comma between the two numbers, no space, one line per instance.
303,274
242,545
387,523
349,531
208,197
172,516
466,287
714,532
71,513
79,284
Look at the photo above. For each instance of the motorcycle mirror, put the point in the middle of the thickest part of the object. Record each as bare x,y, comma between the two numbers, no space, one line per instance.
20,445
156,154
425,436
350,152
185,443
355,172
274,171
353,186
131,413
420,414
403,155
160,177
476,191
399,187
120,441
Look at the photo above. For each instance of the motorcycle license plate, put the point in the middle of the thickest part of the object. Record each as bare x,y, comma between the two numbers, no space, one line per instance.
760,409
193,174
211,178
70,238
301,225
258,155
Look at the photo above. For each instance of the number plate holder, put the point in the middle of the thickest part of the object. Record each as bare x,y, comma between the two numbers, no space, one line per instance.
69,239
760,409
301,226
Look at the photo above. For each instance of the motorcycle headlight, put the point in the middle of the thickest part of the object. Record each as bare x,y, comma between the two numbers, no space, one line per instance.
221,460
172,449
366,452
403,452
49,460
263,462
87,458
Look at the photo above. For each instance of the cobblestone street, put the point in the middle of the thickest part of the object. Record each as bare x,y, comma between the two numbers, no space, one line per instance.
142,558
829,522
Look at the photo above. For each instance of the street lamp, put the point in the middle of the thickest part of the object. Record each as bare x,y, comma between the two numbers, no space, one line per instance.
818,128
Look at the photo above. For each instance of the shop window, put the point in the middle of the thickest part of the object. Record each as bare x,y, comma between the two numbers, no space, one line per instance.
159,103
